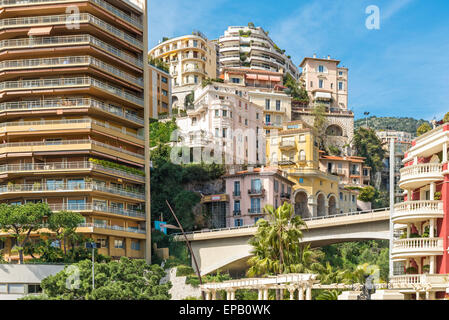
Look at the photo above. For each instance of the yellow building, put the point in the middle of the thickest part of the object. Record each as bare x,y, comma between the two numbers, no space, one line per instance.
294,149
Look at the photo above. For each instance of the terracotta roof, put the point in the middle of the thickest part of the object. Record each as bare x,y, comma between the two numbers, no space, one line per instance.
339,158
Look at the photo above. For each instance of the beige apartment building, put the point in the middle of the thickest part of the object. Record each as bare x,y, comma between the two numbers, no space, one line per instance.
160,88
251,47
265,88
72,116
191,59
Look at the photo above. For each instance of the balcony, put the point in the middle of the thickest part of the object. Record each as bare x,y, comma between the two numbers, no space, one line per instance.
66,167
287,144
78,82
409,280
66,62
417,247
414,211
115,11
256,192
107,227
254,211
64,145
68,187
418,175
68,19
285,195
236,193
90,207
50,125
59,41
20,106
237,212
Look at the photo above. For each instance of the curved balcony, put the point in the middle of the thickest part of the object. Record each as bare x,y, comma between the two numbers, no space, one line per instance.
15,189
115,11
67,146
69,61
418,175
72,124
77,82
90,207
414,211
69,19
58,41
409,280
417,247
66,167
107,227
24,106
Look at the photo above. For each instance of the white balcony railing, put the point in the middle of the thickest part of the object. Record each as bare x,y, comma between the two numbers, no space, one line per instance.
69,40
69,142
418,243
65,166
74,122
419,207
68,61
69,102
411,279
117,12
426,171
69,20
70,82
67,187
96,207
118,228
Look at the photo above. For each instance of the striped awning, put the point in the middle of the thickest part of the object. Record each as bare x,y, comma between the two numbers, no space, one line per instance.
251,76
323,95
275,78
262,77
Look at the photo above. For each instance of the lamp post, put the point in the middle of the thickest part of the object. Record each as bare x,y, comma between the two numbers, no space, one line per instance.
366,113
92,245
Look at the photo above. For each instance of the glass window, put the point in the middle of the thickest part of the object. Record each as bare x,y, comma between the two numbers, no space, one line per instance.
255,205
34,288
278,105
74,184
340,86
236,188
236,206
135,245
119,244
276,186
76,204
256,185
3,288
267,119
16,288
267,104
238,222
320,68
321,83
54,184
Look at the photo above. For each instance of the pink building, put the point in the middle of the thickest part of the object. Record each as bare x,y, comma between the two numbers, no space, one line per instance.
250,190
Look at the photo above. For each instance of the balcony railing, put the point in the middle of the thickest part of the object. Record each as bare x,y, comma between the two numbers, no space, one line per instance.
236,193
61,186
70,142
419,206
287,144
418,243
68,61
94,207
237,212
69,40
256,191
410,279
69,20
117,12
285,195
75,165
61,103
104,226
254,210
69,82
421,170
90,122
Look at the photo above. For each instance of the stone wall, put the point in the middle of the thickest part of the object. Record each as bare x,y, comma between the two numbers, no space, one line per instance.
180,290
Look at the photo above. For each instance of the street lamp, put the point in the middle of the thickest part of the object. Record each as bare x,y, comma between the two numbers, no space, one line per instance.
93,246
366,113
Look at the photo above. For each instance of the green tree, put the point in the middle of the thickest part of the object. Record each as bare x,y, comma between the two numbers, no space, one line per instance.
160,132
276,244
296,89
446,118
425,127
367,194
64,224
319,123
19,221
127,279
368,145
328,295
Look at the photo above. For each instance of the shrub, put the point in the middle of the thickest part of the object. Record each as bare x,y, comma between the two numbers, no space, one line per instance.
113,165
411,270
425,127
183,270
446,118
367,194
437,195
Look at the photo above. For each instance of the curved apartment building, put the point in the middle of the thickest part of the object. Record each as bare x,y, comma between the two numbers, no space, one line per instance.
191,58
72,115
251,47
422,219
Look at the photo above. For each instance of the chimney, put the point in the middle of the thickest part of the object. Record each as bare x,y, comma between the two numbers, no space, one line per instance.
328,57
314,55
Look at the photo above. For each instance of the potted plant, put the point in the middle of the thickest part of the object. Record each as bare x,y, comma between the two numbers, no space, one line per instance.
437,195
411,270
426,268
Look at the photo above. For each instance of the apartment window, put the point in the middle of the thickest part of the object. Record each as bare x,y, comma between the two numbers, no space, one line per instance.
224,132
341,196
267,118
353,198
102,243
257,116
164,92
340,86
311,84
302,155
235,80
76,204
246,122
340,73
194,121
255,205
267,104
321,83
238,222
217,113
217,132
278,105
256,185
225,113
237,188
236,207
119,244
135,245
256,219
74,184
320,68
301,180
164,79
276,186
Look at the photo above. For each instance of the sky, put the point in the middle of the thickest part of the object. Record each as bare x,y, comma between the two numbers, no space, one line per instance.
400,69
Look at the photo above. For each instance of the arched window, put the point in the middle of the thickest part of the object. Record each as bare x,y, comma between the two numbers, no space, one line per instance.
302,155
334,130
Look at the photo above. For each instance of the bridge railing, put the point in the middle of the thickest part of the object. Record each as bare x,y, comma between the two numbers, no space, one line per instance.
352,213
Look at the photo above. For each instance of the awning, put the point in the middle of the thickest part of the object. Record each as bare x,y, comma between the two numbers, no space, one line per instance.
275,78
262,77
323,95
41,31
251,76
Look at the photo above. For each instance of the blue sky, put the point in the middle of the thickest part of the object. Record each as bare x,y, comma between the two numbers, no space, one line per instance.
402,69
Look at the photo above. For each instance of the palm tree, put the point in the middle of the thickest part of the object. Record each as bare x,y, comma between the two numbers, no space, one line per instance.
329,295
330,275
277,245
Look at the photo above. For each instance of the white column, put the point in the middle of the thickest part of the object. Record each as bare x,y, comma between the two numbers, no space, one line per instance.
309,292
427,295
281,294
417,295
232,295
300,293
408,230
432,228
415,160
265,294
228,295
292,293
432,191
214,295
432,265
207,295
259,294
444,152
